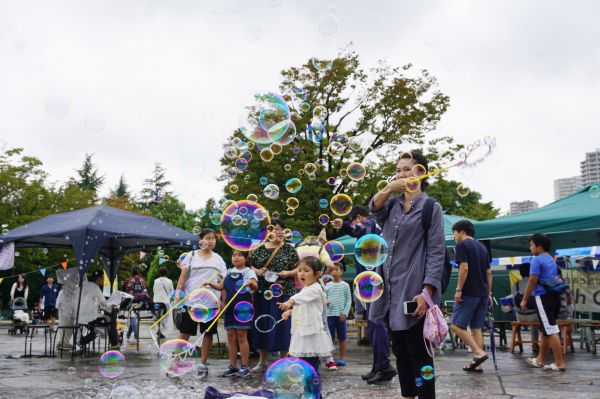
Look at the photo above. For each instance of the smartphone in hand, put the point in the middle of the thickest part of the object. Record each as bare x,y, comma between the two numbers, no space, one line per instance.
410,307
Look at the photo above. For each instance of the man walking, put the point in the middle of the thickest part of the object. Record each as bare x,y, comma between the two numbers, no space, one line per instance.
473,289
542,271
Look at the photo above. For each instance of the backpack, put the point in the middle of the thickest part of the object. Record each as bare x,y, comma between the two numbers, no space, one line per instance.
426,217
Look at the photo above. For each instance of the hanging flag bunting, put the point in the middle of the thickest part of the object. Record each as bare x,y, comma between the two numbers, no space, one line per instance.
142,254
161,261
106,285
1,279
64,264
43,271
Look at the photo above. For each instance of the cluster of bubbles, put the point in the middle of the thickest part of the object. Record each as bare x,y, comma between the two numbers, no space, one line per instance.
292,377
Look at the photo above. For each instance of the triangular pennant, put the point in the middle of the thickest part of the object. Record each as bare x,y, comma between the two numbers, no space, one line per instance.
43,271
161,261
106,285
1,280
142,254
64,264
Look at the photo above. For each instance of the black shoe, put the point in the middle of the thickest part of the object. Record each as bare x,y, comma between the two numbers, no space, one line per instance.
383,375
368,376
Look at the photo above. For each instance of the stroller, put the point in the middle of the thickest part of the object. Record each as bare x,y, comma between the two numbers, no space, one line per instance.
19,316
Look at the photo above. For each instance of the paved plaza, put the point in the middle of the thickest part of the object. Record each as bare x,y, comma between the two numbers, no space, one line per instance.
39,377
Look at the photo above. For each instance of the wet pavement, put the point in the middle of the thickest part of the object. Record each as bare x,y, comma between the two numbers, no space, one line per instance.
60,378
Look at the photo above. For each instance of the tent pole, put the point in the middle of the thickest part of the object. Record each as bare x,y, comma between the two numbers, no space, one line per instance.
81,277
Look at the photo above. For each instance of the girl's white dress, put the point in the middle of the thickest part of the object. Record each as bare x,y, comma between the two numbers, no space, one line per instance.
309,333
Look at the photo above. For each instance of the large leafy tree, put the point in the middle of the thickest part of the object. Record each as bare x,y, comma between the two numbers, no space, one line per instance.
378,113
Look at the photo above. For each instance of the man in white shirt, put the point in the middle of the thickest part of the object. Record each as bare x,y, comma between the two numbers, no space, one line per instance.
67,303
91,300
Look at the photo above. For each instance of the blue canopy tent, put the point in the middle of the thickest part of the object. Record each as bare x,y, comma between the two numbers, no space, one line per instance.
99,231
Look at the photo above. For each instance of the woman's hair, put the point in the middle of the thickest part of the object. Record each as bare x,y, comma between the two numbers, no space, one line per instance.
312,262
24,280
279,223
206,232
245,254
135,271
163,271
419,159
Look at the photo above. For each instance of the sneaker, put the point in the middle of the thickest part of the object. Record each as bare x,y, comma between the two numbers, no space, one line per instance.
331,366
340,362
259,368
230,372
244,372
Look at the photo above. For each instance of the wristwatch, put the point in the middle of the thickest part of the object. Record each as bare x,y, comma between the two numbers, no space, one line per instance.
458,290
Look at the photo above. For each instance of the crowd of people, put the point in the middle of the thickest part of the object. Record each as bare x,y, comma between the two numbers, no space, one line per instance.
312,316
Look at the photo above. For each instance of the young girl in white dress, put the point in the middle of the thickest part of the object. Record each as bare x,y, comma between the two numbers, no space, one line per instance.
310,339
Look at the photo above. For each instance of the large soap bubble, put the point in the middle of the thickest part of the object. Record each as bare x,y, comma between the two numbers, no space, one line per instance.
293,377
175,359
371,250
335,249
293,185
271,191
203,305
368,286
340,204
249,235
243,312
111,364
265,118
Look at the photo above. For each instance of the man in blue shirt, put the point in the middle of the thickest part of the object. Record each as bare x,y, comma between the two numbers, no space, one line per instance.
543,268
473,289
48,295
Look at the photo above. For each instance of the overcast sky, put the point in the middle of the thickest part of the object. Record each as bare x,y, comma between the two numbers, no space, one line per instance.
136,82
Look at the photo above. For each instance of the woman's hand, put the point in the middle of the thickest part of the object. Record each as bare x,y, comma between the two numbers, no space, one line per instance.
284,274
397,186
337,223
421,306
286,315
206,282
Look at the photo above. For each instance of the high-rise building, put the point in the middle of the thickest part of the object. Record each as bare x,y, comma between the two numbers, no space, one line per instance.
522,206
590,168
566,186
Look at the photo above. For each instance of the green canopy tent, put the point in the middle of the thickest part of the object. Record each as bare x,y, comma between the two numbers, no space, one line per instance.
573,221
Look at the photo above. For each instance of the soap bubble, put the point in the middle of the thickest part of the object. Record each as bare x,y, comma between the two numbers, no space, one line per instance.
215,218
356,171
292,202
310,168
271,191
57,107
275,215
407,155
241,164
248,236
321,65
174,358
265,118
343,173
203,305
251,198
231,152
462,190
276,148
315,131
419,382
125,391
323,203
71,370
324,219
268,294
595,191
368,286
300,172
371,250
293,185
331,180
287,167
263,180
326,278
243,311
335,149
289,135
293,377
340,204
382,186
296,237
305,106
328,24
266,154
320,112
335,249
290,211
233,188
277,290
111,364
427,372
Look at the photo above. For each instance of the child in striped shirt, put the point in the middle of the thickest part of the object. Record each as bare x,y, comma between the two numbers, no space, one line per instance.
339,299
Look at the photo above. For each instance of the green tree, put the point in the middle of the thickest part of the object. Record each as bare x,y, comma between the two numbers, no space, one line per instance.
378,113
88,176
121,190
469,206
155,187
